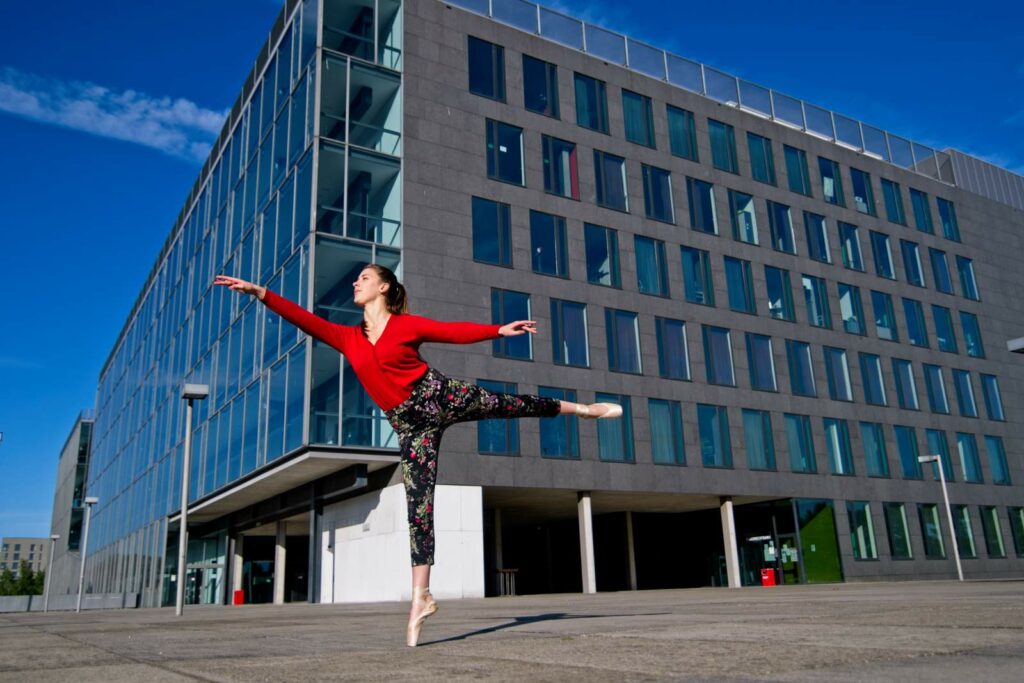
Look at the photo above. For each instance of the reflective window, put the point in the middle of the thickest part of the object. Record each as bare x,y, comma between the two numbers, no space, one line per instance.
944,329
993,533
602,247
569,333
862,530
817,237
504,152
497,437
935,441
964,393
800,443
796,170
964,532
819,314
906,387
851,309
885,316
486,69
718,356
849,243
666,432
863,195
922,211
906,446
947,216
744,221
935,386
997,460
780,225
658,194
762,161
837,444
540,86
591,103
940,271
639,118
931,531
673,357
872,437
740,285
871,374
968,285
713,425
697,284
780,294
723,146
757,435
615,437
492,241
893,202
548,250
972,335
882,254
506,306
701,196
559,435
970,463
761,361
801,368
682,134
1017,528
917,333
993,399
623,341
610,179
838,373
896,526
651,266
561,170
831,182
912,263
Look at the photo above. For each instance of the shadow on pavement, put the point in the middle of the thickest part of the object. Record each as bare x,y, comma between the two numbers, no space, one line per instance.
523,621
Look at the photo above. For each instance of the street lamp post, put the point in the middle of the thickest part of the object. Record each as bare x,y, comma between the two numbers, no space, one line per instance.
49,572
190,393
949,511
89,502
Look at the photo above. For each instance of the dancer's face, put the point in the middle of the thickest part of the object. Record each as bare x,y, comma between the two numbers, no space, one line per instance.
367,287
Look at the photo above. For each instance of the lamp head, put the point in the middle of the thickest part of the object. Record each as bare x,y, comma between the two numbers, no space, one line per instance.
196,392
91,500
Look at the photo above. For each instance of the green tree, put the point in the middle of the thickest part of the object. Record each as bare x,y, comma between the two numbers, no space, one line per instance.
40,582
7,582
26,583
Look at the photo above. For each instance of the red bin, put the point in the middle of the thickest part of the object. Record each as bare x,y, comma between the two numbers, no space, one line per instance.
767,577
238,598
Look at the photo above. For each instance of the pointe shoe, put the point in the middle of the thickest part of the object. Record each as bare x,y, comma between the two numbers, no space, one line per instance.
419,595
612,410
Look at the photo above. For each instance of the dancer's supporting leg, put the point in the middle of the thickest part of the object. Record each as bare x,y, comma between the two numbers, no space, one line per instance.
419,473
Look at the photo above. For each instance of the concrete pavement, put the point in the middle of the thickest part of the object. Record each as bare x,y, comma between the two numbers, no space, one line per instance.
921,631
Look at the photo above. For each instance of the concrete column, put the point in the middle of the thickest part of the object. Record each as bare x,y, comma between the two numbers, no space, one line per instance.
280,557
238,548
732,555
584,510
499,558
630,551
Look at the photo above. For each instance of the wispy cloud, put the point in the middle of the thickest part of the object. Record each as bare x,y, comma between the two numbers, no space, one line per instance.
174,126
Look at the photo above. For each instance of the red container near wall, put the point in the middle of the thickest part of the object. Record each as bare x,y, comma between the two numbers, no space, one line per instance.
767,577
239,598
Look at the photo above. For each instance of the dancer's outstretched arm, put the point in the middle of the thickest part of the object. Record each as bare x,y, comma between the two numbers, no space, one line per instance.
469,333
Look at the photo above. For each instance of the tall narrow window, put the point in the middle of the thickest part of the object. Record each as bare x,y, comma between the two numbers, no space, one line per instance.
849,242
816,297
540,86
944,329
947,216
931,531
838,373
863,195
740,283
906,387
780,294
548,250
658,194
651,266
780,224
968,285
899,536
935,441
912,263
882,253
741,213
862,530
885,316
831,182
559,436
801,368
610,181
504,152
486,69
906,446
639,118
817,237
964,393
673,357
615,437
871,375
569,344
723,146
561,169
922,211
762,161
497,437
993,533
935,387
1017,528
893,202
800,442
701,196
993,399
940,271
964,532
997,460
917,333
851,309
713,426
761,362
972,335
682,134
872,437
602,248
666,432
623,341
697,284
757,434
492,241
507,305
796,170
718,356
970,463
591,103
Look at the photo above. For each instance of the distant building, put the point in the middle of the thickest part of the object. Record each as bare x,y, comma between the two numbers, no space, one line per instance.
33,551
68,508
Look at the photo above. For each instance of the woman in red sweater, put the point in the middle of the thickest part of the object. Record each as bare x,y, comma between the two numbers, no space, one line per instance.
419,402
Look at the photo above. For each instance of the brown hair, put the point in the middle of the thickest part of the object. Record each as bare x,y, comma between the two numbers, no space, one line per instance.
396,299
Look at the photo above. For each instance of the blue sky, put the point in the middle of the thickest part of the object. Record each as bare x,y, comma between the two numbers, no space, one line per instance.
106,110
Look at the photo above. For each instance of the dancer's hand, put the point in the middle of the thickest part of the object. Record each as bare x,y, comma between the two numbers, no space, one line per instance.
236,285
518,327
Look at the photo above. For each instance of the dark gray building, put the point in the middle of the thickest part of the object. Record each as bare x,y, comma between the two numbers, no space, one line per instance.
69,506
791,305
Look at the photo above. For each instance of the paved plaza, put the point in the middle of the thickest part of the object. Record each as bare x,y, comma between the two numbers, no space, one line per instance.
920,631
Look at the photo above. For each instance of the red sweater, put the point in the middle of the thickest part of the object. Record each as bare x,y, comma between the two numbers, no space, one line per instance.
390,368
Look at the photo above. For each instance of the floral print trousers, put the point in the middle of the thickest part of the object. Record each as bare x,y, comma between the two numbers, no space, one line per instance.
437,402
